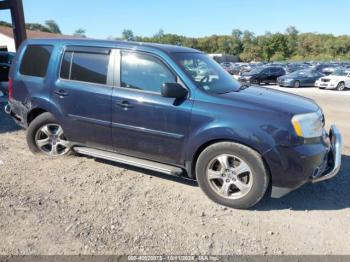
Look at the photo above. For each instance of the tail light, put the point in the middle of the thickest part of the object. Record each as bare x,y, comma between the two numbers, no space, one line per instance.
10,89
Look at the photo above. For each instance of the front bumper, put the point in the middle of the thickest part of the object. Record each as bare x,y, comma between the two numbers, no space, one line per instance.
326,85
307,163
285,83
334,156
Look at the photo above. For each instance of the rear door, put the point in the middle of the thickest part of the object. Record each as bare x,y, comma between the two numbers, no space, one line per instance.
266,75
145,124
83,93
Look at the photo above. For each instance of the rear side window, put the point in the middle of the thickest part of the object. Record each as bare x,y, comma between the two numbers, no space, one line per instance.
85,67
36,60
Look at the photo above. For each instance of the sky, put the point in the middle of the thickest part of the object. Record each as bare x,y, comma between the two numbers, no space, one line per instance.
189,17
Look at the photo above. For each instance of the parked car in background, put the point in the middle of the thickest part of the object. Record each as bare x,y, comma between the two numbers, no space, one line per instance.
299,78
173,110
230,67
265,74
293,67
339,80
5,65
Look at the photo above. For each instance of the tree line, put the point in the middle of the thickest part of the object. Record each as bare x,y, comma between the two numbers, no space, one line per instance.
290,45
247,46
50,26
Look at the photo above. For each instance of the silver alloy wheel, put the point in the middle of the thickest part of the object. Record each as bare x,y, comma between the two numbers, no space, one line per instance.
229,176
297,84
51,140
341,86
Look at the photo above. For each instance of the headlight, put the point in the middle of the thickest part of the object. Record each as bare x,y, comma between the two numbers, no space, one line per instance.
288,80
308,125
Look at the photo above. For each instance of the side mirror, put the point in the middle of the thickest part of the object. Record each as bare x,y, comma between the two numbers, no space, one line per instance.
174,90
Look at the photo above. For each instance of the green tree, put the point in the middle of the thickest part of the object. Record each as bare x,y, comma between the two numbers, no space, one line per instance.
159,34
128,35
37,27
53,26
80,33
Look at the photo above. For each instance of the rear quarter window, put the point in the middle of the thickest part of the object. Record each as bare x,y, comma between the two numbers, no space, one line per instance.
35,60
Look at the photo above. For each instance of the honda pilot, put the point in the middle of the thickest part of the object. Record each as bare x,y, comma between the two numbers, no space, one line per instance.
172,110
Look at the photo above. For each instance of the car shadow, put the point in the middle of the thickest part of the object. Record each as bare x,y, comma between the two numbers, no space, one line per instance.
333,194
6,123
179,179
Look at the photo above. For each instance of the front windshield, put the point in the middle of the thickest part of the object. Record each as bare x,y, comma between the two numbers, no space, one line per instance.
340,72
206,73
257,70
301,73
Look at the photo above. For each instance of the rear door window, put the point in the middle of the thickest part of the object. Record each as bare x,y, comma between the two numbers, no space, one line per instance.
35,60
91,67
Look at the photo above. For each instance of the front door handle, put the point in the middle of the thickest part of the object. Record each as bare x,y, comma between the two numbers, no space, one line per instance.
61,92
124,104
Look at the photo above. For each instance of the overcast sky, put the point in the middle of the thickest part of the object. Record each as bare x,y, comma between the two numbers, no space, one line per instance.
189,17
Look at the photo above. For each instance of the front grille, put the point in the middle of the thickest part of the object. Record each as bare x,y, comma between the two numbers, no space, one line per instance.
325,80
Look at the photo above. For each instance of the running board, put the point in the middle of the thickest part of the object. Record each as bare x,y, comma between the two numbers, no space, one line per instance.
128,160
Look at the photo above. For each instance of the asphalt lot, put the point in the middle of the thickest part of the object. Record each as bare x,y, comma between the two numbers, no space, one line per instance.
81,205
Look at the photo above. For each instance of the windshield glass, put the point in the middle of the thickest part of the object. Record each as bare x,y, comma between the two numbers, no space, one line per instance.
340,72
257,70
301,73
206,73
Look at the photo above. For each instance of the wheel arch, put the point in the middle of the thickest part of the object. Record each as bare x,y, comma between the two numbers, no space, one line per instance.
38,106
191,165
34,113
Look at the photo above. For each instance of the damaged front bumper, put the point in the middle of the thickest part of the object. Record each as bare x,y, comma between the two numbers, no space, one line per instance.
331,164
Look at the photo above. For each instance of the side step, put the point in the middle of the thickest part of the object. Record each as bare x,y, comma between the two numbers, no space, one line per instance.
128,160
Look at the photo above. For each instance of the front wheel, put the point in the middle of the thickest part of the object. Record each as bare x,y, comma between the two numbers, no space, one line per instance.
45,135
296,84
341,86
232,175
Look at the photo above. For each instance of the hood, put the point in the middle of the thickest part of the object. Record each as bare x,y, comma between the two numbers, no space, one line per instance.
337,78
266,99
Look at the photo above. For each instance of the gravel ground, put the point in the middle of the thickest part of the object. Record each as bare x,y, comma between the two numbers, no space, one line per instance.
80,205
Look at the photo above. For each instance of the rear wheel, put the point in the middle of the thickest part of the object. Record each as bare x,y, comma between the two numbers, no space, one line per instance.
232,175
341,86
45,135
255,82
296,84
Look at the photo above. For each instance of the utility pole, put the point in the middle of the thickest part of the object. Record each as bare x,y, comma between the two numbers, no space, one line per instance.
18,21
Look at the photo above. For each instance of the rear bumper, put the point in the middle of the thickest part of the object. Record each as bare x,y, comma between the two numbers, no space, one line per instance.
18,112
294,167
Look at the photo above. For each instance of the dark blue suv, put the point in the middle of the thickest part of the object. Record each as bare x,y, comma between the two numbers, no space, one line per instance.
172,110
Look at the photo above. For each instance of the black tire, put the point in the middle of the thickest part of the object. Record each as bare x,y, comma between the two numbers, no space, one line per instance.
341,86
255,82
259,173
34,126
296,84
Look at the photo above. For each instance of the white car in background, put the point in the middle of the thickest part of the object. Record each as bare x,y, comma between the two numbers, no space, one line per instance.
339,80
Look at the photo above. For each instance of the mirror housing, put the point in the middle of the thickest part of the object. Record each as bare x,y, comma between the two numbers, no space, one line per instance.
174,90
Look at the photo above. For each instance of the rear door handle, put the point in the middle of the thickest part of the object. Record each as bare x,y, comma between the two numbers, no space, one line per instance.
61,92
124,104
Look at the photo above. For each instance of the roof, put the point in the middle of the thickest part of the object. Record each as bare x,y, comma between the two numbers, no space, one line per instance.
108,43
32,34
